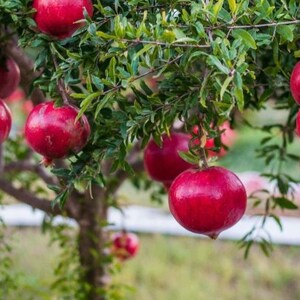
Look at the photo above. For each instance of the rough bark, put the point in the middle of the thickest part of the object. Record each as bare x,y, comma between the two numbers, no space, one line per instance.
92,240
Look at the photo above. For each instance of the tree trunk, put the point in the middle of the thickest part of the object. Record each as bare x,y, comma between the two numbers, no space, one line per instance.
91,242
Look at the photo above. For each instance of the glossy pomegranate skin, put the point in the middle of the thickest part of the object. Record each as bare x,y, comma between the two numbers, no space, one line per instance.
298,123
52,131
58,17
207,201
5,121
9,77
295,83
164,163
125,245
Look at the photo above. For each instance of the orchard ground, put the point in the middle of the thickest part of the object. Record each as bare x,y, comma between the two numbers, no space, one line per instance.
175,268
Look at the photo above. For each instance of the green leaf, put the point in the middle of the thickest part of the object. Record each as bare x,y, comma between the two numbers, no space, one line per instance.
232,6
86,103
61,199
245,36
284,203
189,157
145,49
277,220
103,102
283,184
213,60
286,32
225,85
216,9
105,35
112,69
239,96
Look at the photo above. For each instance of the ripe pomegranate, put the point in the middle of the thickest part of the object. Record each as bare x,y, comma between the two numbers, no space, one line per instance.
298,123
295,83
125,245
164,163
59,18
53,132
5,121
207,201
9,77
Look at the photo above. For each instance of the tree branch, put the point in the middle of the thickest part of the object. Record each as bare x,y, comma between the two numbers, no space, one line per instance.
29,198
28,74
26,165
272,24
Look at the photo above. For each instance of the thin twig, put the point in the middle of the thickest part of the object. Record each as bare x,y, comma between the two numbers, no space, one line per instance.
159,43
60,83
272,24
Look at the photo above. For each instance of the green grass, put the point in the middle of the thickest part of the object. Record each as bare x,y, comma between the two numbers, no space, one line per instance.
172,268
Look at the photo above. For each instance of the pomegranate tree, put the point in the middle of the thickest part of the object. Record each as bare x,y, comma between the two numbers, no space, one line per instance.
125,245
163,163
207,201
54,132
9,77
59,18
5,121
213,60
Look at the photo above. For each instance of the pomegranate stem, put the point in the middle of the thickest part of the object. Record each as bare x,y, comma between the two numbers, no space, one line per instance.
202,138
60,82
203,161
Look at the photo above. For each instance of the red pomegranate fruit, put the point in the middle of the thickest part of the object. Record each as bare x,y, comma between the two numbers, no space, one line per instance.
5,121
125,245
59,18
9,77
295,83
207,201
52,131
164,163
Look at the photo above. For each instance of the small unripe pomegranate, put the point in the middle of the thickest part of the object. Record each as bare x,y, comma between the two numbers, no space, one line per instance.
5,121
52,131
164,163
125,245
207,201
59,18
295,83
9,77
